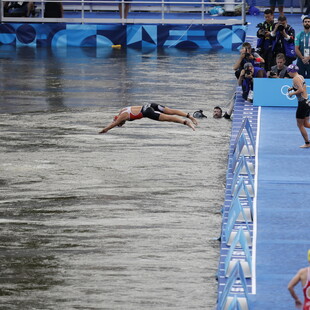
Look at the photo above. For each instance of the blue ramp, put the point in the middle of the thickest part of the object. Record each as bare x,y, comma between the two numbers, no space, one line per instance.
283,208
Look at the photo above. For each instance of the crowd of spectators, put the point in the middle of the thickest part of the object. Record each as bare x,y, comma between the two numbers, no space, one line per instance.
277,48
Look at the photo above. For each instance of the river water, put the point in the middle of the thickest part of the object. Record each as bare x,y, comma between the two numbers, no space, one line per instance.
125,220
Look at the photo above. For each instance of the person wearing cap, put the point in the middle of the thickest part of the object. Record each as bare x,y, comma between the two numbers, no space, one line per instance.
302,49
302,276
153,111
283,41
246,79
299,90
247,54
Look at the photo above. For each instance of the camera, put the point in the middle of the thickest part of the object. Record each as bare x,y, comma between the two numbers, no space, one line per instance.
280,27
271,74
247,71
247,55
261,29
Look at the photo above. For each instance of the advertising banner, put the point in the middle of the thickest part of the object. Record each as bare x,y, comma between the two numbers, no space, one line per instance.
274,92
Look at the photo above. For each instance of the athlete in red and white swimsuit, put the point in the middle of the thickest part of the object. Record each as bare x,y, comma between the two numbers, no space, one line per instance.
153,111
303,276
306,290
132,116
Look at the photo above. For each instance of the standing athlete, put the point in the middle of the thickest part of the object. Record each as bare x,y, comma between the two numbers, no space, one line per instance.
153,111
303,276
303,110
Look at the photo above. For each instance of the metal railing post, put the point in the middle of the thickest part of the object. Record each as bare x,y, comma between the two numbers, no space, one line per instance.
162,10
0,11
83,15
243,12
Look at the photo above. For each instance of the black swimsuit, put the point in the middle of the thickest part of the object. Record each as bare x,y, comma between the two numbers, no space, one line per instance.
152,110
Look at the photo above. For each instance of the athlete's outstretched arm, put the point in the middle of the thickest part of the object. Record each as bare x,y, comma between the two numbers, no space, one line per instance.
120,121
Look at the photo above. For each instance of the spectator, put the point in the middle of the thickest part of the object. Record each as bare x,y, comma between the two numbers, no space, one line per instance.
280,69
302,49
283,40
246,79
247,54
280,6
307,4
14,9
53,9
125,6
264,42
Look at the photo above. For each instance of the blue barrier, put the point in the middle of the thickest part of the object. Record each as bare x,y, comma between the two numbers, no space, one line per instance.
242,148
237,227
246,128
236,284
233,215
235,304
243,168
241,255
246,202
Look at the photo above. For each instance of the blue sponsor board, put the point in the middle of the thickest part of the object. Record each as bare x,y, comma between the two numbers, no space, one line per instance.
274,93
134,36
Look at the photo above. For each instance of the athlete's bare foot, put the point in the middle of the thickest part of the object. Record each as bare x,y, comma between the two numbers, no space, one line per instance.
189,124
306,145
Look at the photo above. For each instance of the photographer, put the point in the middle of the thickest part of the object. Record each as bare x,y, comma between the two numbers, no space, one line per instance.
247,54
246,79
283,36
280,69
264,41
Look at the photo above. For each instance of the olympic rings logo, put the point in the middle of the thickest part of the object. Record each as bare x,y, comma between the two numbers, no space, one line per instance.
284,92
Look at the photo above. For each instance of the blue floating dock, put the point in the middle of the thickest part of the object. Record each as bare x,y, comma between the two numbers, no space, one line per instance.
283,211
278,229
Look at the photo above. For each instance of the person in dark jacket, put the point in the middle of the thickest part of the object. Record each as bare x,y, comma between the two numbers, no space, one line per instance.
283,41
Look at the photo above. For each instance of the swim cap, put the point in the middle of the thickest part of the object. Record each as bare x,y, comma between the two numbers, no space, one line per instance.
292,68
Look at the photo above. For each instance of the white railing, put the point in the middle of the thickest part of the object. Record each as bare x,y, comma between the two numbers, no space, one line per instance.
158,12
